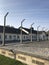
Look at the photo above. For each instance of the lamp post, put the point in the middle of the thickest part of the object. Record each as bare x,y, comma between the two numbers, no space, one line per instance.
38,33
21,28
31,31
4,28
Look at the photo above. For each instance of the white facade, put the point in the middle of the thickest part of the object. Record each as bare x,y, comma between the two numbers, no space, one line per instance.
26,36
16,37
42,36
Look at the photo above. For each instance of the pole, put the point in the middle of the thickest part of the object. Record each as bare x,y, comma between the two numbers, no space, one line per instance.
21,28
42,32
4,28
38,33
31,31
46,33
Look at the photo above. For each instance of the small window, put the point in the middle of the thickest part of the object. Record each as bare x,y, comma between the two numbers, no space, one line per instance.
5,36
17,37
14,37
24,37
0,36
10,37
27,37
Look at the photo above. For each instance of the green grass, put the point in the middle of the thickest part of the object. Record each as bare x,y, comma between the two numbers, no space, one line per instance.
8,61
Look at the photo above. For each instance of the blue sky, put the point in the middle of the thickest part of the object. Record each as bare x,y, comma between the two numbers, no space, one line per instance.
36,11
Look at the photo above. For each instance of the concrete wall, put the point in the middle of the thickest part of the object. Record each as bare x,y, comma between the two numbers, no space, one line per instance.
25,58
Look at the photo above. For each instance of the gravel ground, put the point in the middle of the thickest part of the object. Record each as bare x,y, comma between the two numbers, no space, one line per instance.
37,48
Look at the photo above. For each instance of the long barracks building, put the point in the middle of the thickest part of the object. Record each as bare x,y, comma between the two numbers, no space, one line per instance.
14,34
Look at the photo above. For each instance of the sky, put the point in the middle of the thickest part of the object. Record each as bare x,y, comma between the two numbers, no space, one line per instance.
36,11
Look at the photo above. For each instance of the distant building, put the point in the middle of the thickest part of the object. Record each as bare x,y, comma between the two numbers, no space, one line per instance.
14,34
48,35
42,35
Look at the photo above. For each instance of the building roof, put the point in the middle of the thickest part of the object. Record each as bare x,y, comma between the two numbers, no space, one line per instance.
14,30
11,30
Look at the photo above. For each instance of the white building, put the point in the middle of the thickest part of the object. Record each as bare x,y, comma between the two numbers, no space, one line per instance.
48,35
42,35
14,34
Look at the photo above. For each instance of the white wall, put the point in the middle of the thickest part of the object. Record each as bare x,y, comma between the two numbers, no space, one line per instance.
42,36
26,36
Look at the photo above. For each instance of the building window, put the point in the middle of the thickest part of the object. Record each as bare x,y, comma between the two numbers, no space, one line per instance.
10,37
0,36
23,58
33,37
17,37
5,36
24,37
14,37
